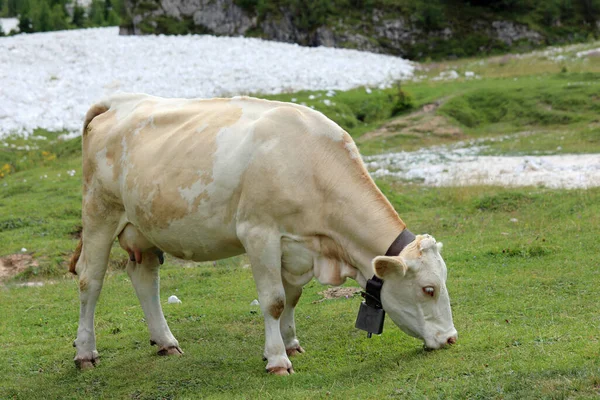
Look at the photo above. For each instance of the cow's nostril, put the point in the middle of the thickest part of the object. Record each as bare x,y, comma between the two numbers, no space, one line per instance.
452,340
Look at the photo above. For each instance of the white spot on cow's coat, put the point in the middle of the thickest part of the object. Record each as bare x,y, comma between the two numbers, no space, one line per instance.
351,147
228,173
190,194
125,103
201,128
147,122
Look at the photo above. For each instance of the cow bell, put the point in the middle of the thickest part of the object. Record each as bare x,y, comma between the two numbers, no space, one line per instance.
370,319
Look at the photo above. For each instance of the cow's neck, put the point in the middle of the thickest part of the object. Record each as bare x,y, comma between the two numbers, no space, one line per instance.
365,226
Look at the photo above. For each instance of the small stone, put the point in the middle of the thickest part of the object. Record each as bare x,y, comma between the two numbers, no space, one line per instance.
514,220
23,250
173,300
255,303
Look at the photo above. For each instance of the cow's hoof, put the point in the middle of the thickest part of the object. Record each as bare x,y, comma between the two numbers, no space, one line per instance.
170,351
281,371
294,351
86,364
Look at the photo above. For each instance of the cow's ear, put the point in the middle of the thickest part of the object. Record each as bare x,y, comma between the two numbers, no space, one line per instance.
384,266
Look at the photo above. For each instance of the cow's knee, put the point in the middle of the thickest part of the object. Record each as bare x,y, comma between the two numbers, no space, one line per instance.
276,307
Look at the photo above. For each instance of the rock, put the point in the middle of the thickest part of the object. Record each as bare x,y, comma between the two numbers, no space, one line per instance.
173,300
223,17
509,32
255,303
379,32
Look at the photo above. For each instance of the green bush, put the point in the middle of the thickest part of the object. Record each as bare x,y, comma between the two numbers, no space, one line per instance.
52,15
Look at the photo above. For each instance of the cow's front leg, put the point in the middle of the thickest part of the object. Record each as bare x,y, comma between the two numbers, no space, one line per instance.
287,323
146,282
264,250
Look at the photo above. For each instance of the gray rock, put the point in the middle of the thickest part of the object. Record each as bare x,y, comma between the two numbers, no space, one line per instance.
379,32
509,32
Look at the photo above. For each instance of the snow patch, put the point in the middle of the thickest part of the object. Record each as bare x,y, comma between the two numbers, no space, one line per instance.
443,166
9,24
49,80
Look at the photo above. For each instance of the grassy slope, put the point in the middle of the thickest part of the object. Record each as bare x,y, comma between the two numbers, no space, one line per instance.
524,293
556,102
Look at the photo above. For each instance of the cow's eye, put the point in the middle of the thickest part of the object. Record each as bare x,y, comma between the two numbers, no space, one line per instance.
429,290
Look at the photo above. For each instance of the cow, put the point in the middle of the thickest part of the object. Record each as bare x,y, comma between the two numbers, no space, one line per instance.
207,179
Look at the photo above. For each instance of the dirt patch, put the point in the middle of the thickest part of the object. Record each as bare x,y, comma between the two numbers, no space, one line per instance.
338,292
14,263
420,123
502,60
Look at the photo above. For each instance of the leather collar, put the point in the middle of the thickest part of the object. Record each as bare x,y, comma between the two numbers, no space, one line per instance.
404,239
372,294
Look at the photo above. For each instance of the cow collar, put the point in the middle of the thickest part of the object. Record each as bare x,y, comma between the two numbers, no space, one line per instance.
372,294
371,313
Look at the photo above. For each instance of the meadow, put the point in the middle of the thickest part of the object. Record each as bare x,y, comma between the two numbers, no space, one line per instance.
524,266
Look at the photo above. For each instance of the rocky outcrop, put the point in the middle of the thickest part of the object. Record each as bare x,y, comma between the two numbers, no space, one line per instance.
378,32
218,17
510,32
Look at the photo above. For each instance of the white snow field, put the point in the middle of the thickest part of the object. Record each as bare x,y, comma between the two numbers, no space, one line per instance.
445,166
49,80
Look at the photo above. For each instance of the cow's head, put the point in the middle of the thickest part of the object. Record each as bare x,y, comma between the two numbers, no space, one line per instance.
414,292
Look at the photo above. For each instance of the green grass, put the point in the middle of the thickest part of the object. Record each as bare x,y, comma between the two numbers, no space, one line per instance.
523,270
523,299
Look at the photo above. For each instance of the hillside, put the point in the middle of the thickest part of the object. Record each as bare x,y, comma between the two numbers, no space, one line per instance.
416,30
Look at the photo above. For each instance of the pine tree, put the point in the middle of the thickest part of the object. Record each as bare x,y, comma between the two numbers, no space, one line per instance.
41,19
78,19
58,18
96,13
25,22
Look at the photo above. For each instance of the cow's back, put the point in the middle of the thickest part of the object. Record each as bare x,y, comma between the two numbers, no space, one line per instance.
186,171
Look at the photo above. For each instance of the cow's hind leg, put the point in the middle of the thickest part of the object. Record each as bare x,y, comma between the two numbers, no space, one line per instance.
287,322
263,246
91,268
146,282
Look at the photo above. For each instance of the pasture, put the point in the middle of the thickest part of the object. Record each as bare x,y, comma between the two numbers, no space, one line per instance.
524,266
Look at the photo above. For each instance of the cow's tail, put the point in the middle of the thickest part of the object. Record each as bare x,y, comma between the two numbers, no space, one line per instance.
93,112
75,257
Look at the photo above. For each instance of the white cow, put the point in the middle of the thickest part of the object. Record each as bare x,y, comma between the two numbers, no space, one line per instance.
210,179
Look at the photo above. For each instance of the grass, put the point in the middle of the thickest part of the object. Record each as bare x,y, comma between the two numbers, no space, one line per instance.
523,266
522,294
